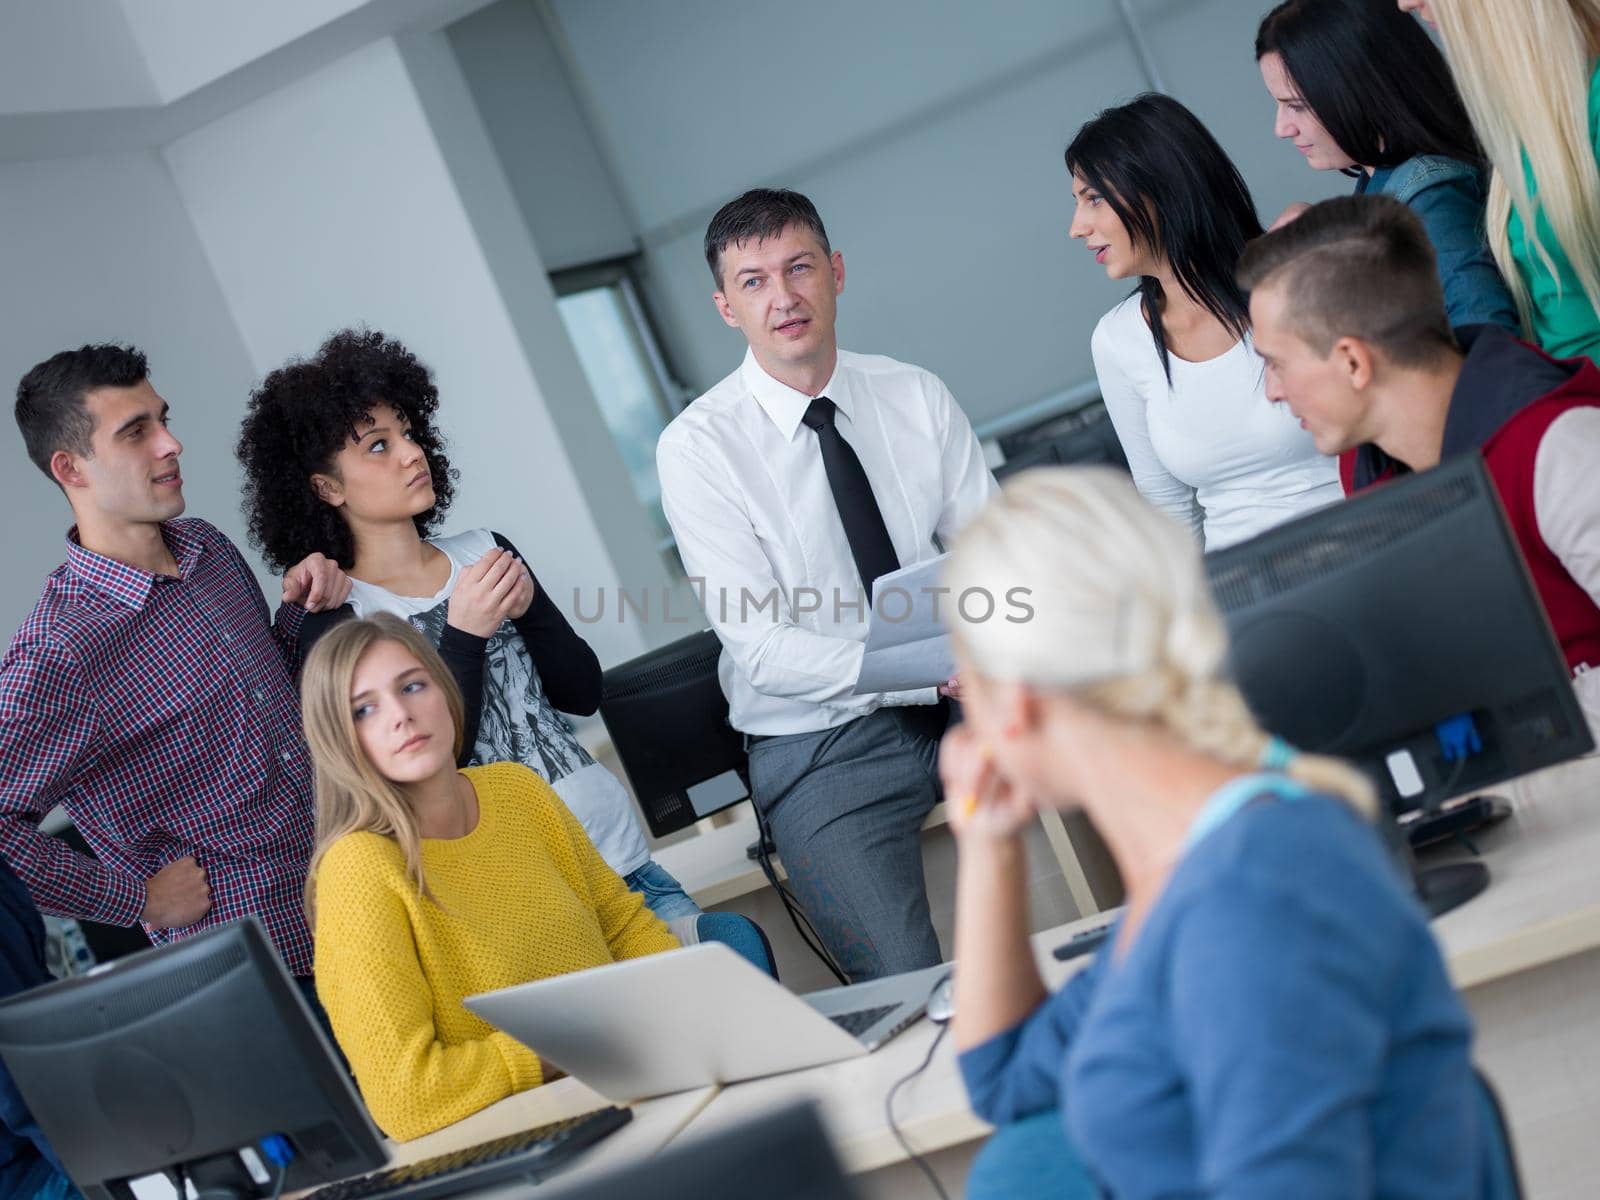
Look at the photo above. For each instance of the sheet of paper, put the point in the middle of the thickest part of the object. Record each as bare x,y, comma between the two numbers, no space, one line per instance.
907,646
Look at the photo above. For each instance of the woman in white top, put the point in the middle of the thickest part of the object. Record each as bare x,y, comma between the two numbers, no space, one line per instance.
1159,200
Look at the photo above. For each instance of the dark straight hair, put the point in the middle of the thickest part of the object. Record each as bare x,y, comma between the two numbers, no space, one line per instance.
1179,196
1373,78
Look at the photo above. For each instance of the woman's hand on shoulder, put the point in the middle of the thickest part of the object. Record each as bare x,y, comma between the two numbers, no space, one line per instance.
490,591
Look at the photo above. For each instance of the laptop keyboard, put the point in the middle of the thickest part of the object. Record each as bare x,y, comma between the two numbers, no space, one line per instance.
532,1154
858,1022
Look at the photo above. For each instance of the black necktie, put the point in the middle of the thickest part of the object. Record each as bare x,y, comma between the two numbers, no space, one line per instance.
870,544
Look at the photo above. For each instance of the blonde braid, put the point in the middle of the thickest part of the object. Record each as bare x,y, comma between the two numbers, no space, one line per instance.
1122,617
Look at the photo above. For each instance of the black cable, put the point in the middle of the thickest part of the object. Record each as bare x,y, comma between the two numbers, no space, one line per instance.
1448,786
797,917
791,905
888,1111
283,1174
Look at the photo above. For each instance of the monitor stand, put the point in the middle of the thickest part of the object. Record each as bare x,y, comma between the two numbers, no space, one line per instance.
1448,886
222,1177
1439,888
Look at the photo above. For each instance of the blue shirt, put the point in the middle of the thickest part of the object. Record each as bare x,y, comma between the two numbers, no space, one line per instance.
27,1165
1282,1025
1448,197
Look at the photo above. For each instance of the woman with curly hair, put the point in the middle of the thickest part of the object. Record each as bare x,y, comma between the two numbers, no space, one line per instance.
341,453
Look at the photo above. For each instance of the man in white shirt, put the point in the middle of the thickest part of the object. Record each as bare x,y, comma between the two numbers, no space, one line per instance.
790,486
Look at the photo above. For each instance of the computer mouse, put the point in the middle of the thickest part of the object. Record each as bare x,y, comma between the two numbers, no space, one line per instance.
942,1003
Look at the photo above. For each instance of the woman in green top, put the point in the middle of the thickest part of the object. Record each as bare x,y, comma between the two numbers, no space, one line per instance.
1526,69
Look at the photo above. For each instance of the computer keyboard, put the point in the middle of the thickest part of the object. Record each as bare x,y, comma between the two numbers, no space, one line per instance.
862,1019
531,1155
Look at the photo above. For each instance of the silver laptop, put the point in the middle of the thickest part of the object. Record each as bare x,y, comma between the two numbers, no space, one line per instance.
694,1017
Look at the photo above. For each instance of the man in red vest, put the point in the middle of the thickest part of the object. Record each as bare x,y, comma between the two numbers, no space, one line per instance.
1347,312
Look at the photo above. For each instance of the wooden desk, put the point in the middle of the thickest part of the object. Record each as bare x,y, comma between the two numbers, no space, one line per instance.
1543,902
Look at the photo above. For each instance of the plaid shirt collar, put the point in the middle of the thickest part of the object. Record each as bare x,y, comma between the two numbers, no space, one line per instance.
127,585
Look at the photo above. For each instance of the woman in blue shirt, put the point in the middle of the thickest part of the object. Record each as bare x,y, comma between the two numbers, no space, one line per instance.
1361,89
1271,1016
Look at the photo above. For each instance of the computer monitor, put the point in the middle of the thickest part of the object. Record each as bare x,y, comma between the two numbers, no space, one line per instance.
187,1060
668,721
783,1155
1400,630
1085,435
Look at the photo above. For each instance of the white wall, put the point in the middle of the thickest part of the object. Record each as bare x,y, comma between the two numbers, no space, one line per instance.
69,55
1205,51
331,203
541,136
101,249
188,43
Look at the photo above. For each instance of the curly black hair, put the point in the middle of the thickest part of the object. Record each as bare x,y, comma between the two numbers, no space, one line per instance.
299,419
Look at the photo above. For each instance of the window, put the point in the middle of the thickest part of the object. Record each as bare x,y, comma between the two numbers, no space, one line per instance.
622,358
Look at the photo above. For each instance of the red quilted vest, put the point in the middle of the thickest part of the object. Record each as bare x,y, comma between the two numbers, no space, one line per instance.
1510,455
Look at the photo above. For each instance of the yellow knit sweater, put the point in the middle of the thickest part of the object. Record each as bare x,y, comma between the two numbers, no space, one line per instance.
524,896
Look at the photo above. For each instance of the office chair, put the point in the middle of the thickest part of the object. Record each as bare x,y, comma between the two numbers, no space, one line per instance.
668,720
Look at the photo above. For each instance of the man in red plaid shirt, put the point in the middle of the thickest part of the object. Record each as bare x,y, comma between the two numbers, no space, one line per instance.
147,691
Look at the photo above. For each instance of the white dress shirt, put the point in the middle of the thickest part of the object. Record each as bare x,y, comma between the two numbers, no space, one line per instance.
1209,448
744,488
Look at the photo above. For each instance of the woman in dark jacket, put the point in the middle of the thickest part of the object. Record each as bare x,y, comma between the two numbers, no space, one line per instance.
1361,89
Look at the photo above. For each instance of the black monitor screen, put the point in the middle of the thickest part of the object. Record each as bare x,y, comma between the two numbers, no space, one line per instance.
668,721
192,1055
1400,630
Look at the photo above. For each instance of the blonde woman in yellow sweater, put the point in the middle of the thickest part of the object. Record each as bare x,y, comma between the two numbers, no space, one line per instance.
429,884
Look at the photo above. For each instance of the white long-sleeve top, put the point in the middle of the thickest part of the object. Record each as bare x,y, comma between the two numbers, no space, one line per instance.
1209,448
744,488
1566,503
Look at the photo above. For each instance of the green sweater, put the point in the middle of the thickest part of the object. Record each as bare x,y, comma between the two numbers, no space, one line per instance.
1564,322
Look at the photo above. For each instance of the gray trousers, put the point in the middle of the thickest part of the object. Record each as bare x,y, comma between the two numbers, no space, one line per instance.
845,808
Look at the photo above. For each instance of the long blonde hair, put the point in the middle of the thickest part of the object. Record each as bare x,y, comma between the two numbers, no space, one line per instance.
1122,617
1523,68
351,795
